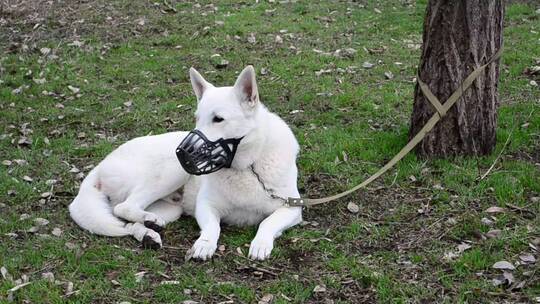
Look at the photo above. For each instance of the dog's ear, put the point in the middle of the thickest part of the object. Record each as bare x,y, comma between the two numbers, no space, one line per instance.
246,87
198,83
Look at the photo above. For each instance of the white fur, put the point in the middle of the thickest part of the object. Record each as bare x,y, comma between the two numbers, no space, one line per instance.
142,180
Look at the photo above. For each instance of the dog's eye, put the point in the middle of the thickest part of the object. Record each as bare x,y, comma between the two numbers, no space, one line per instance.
217,119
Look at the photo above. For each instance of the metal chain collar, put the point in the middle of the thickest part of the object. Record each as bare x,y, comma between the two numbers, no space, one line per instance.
271,192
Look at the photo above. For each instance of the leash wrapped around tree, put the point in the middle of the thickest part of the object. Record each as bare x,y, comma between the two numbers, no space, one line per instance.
441,110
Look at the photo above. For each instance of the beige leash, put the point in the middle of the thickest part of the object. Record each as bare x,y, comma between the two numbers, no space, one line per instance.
440,112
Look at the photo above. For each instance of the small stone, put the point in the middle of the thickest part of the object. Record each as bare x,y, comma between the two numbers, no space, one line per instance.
27,178
533,83
187,291
353,208
388,75
46,194
24,216
7,162
278,39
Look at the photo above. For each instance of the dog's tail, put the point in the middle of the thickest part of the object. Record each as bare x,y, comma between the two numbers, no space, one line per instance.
91,209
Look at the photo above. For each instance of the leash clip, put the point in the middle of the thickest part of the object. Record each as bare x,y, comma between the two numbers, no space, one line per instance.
294,202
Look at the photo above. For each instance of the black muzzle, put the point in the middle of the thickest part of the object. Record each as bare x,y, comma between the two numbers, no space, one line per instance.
199,156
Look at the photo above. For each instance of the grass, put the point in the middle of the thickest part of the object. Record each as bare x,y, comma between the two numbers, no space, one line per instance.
133,81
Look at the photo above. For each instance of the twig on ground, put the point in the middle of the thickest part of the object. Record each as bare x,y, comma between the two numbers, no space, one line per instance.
498,156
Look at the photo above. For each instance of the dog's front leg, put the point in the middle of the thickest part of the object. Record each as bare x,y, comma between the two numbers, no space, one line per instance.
271,228
208,219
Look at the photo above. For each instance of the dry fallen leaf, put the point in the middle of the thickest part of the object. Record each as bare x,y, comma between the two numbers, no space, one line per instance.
45,51
493,233
57,231
251,38
139,276
73,89
503,265
527,258
41,221
48,276
486,221
367,65
170,283
266,299
5,274
319,288
495,209
463,246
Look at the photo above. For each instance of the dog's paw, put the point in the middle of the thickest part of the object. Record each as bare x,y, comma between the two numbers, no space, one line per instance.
153,226
260,248
154,222
151,240
203,249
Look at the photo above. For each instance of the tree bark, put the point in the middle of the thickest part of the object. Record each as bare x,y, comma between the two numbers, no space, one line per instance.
459,36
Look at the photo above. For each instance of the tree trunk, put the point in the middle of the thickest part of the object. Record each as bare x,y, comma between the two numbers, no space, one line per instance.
459,36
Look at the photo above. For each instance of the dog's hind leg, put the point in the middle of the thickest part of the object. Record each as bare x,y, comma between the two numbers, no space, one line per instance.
133,209
168,211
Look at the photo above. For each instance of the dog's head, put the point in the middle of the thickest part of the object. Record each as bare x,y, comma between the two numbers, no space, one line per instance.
226,112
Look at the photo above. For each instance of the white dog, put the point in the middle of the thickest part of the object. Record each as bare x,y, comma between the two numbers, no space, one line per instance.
141,186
